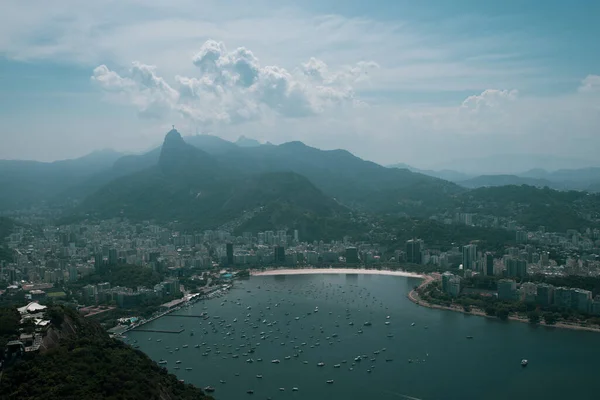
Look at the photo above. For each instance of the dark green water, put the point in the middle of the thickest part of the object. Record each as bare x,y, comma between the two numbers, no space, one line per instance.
563,364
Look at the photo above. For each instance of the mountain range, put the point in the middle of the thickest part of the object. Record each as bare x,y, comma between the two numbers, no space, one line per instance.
205,182
584,179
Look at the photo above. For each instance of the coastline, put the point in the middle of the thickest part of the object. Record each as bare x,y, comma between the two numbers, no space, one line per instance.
311,271
413,296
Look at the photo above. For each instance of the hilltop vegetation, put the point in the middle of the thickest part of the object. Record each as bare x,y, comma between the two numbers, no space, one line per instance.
532,207
86,364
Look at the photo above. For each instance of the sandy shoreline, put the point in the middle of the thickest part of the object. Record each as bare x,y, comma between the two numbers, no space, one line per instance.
307,271
414,297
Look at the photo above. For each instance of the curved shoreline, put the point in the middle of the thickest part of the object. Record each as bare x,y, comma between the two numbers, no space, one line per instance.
413,296
311,271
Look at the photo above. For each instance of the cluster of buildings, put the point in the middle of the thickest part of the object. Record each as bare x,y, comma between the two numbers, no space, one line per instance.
125,297
543,294
547,295
66,254
515,263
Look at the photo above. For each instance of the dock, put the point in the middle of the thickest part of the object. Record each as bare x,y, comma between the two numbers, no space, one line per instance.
184,316
158,330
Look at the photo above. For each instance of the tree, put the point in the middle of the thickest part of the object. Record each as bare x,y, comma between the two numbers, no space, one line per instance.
533,316
490,310
502,313
550,318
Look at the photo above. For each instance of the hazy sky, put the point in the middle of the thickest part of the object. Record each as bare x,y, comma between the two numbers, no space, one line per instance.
420,82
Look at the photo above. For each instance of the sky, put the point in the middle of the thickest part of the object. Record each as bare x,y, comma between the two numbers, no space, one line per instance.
427,83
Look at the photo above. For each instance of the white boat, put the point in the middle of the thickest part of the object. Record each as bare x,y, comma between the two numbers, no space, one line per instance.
330,381
413,324
321,364
524,362
275,361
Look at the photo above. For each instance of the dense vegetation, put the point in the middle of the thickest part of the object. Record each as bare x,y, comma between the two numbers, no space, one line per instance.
191,186
533,207
90,365
9,325
437,235
130,276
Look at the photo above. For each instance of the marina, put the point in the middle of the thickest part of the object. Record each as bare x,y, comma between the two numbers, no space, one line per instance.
309,350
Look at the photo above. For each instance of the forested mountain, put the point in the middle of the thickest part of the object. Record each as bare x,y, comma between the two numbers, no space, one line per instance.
79,361
26,183
194,187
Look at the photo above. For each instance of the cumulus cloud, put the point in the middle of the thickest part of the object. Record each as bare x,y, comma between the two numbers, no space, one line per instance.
490,98
590,84
232,86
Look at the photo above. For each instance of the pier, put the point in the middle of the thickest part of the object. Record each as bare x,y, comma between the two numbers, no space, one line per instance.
159,330
184,316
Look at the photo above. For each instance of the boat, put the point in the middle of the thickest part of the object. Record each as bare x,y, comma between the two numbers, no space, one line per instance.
162,362
250,391
222,381
387,322
177,362
188,369
524,363
330,381
469,337
413,324
259,376
209,389
275,361
294,389
321,364
337,366
367,323
282,389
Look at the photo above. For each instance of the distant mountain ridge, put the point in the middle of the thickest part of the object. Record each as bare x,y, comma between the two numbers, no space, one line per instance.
191,185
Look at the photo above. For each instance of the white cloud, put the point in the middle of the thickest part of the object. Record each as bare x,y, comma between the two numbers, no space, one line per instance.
591,83
233,86
490,98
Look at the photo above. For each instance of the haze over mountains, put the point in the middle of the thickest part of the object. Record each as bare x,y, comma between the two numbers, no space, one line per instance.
587,179
205,182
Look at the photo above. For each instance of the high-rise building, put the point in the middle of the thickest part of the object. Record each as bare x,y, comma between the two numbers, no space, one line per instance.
521,236
445,278
469,256
507,289
296,238
279,254
112,257
581,300
413,251
528,292
98,262
489,264
545,294
229,250
454,286
562,297
73,273
515,268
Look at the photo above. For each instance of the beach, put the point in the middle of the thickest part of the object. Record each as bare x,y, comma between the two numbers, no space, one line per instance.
307,271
